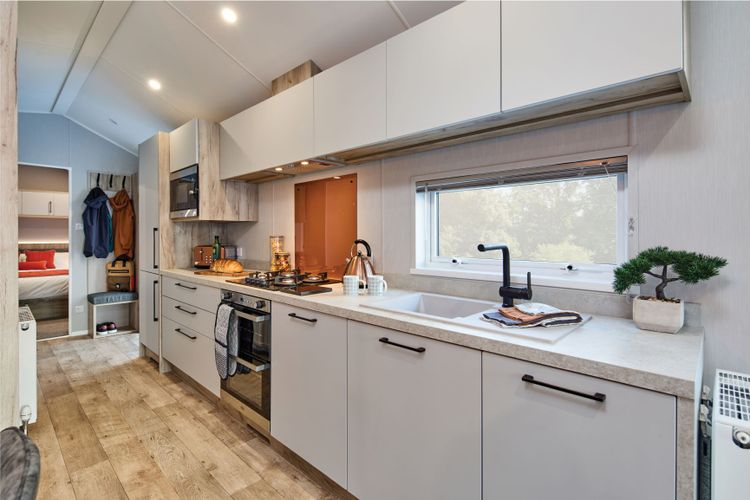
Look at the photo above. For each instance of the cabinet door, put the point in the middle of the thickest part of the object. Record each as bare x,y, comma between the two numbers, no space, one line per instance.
274,132
540,442
38,203
445,70
308,407
414,417
59,204
350,103
183,146
192,353
555,49
149,293
148,205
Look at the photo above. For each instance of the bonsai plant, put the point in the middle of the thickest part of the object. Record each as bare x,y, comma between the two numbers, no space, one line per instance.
660,313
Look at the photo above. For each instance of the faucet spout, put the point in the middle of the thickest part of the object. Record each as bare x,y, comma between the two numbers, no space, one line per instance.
508,292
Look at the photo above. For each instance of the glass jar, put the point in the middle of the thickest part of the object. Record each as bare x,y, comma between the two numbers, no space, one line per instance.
277,244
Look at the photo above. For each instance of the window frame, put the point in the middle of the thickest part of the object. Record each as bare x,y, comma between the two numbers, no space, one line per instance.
585,276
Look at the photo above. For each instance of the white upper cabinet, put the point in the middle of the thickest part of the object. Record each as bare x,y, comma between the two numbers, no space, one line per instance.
274,132
183,146
43,204
148,205
445,70
556,49
350,102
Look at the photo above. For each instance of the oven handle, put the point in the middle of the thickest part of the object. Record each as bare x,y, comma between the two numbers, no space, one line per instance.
255,318
252,366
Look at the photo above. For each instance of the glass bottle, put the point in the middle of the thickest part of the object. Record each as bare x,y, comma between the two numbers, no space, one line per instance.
216,248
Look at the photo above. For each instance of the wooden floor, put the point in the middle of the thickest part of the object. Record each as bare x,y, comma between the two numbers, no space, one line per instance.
51,328
110,426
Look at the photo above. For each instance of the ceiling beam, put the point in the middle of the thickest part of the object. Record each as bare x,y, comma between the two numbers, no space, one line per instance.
102,28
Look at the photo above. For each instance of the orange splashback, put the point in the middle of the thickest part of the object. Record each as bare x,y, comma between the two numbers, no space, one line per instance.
325,223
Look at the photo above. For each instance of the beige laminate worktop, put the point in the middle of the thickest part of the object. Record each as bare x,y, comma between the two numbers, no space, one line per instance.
605,347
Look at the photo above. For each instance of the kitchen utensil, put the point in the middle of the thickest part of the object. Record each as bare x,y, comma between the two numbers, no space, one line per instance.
376,285
360,265
351,285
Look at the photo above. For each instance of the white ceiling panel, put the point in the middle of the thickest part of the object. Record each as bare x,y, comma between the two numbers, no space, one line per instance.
108,94
155,41
49,34
270,38
416,11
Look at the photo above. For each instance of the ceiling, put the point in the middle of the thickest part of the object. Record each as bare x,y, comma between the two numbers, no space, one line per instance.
91,61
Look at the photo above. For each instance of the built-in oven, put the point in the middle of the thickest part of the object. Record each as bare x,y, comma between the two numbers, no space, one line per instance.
183,193
251,384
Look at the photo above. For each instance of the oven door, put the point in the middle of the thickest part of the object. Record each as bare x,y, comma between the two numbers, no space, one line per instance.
183,193
251,384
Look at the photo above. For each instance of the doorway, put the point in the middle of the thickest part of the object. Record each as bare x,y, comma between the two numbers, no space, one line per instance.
43,247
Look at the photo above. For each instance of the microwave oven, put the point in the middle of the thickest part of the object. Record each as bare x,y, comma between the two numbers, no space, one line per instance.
183,193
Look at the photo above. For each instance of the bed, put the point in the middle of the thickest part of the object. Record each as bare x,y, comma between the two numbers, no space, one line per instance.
45,291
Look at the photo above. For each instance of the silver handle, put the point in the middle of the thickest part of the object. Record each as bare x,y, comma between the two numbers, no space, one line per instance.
253,367
255,318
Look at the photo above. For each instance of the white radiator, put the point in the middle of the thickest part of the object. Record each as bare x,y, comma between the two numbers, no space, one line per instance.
730,448
26,365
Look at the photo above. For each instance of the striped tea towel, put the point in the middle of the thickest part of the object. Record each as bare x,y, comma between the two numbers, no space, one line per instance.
225,341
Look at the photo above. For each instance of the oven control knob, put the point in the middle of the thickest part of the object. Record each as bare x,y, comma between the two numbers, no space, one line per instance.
260,304
226,295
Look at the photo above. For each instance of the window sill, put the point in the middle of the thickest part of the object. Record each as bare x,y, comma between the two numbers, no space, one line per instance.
569,280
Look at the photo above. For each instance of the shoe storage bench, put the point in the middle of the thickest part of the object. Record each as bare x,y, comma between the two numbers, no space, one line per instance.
101,307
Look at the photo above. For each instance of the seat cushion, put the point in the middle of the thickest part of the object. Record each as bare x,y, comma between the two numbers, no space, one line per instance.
19,467
111,297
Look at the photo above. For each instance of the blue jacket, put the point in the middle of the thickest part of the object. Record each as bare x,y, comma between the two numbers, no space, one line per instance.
97,225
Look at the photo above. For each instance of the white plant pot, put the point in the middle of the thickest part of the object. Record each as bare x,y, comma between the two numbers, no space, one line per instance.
658,315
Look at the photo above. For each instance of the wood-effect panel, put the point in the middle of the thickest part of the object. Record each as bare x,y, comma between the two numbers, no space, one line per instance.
111,426
9,225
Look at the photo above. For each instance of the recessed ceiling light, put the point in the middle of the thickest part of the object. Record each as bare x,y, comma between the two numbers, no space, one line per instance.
279,169
154,84
304,162
229,15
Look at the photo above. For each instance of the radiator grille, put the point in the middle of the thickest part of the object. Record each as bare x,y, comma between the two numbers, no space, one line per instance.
24,314
733,398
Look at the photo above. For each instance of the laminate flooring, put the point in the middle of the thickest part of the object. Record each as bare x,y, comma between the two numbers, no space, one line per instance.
111,426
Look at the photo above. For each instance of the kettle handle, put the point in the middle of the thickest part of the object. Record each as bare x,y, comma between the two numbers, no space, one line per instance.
367,246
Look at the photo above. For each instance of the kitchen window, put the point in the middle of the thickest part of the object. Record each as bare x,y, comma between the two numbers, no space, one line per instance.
565,223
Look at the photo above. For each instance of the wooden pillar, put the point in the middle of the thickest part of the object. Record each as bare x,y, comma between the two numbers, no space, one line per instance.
9,220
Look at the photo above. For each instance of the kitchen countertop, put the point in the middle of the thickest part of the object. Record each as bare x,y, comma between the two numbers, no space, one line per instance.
605,347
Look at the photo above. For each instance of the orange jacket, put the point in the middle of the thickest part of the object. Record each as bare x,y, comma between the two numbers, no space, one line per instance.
123,224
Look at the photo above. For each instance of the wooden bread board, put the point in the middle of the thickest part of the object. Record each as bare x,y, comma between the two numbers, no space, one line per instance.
208,272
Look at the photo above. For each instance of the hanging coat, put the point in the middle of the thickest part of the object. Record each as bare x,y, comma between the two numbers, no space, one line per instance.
123,224
97,225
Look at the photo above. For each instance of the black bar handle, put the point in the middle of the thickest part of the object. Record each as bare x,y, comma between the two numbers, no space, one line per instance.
185,286
156,318
402,346
185,334
309,320
598,396
153,248
180,308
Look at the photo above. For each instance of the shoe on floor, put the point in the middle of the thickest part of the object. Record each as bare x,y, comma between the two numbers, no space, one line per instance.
111,328
102,328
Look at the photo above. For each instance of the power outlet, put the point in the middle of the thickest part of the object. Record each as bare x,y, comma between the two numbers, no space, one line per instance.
78,226
239,251
78,309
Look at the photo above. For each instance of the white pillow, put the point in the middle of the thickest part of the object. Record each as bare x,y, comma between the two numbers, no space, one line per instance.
62,260
21,257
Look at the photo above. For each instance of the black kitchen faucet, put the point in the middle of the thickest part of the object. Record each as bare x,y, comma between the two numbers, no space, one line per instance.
507,292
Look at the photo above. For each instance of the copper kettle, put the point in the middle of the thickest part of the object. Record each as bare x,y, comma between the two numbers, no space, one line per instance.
360,265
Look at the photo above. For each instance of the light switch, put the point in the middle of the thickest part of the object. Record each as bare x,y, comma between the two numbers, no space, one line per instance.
78,309
78,226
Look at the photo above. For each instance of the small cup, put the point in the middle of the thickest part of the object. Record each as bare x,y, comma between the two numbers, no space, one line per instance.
376,285
351,284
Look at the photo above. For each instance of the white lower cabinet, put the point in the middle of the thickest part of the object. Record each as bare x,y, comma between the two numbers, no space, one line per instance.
191,352
414,417
540,442
308,387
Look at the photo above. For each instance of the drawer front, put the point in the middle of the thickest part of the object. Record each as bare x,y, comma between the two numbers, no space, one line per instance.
204,297
193,317
191,352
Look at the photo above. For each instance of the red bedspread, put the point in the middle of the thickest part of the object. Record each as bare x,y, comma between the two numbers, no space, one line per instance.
46,272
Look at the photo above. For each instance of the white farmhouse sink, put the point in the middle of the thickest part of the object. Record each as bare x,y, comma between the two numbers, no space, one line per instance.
428,305
464,312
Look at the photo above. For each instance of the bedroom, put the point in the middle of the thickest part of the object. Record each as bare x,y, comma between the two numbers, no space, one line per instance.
43,244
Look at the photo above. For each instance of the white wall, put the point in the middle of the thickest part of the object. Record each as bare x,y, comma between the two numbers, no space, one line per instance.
53,140
688,179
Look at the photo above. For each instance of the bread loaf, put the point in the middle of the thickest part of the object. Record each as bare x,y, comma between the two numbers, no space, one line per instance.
226,266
